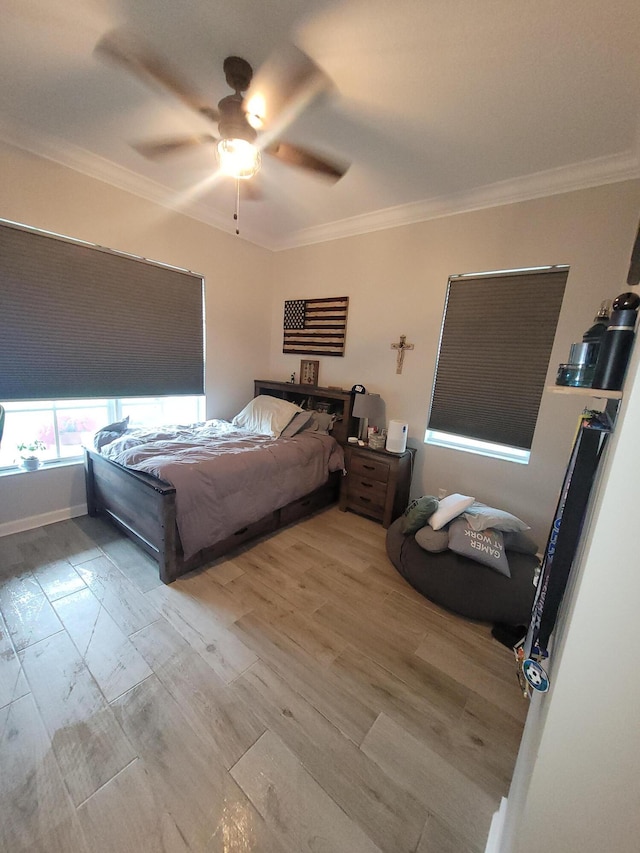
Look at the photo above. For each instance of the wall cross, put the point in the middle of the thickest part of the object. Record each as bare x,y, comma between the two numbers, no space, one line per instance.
402,346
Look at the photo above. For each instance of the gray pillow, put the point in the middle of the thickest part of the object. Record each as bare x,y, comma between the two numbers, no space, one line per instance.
296,424
320,422
418,512
109,433
480,516
483,546
432,540
520,542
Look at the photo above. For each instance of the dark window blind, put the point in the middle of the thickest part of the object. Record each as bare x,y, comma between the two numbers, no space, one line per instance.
80,321
494,354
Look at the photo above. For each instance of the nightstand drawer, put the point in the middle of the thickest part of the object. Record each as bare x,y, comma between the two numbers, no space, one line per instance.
370,504
377,483
370,489
371,469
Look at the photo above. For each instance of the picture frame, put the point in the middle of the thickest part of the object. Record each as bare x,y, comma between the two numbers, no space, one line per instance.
309,370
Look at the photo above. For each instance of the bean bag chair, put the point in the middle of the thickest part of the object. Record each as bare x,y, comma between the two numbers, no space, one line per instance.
463,585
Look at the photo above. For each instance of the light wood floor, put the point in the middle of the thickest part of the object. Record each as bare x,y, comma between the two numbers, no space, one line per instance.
299,696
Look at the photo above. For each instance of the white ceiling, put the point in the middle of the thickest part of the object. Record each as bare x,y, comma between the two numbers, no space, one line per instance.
441,105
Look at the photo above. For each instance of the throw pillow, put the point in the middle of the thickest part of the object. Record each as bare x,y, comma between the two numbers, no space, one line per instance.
480,516
266,415
520,542
110,432
296,424
449,508
417,513
483,546
432,540
320,422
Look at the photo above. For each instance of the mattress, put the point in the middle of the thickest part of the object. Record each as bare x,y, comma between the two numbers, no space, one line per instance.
226,478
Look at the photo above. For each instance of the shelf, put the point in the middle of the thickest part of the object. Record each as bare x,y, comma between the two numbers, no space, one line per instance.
598,393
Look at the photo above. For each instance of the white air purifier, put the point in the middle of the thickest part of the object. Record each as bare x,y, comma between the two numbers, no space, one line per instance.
397,436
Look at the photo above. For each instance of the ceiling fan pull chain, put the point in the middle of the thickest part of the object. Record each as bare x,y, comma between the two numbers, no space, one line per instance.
236,215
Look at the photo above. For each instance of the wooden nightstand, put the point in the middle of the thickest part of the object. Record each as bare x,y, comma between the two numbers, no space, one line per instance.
377,482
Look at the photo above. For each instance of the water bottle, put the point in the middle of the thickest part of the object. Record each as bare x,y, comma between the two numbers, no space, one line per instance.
594,333
617,343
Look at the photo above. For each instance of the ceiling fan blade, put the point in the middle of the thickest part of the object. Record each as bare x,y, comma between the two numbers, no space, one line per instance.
126,50
251,190
155,149
283,87
294,155
634,267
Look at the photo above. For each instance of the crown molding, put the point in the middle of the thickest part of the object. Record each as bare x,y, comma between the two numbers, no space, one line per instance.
93,166
577,176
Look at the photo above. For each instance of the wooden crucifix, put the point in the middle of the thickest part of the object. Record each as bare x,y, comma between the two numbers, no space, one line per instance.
402,346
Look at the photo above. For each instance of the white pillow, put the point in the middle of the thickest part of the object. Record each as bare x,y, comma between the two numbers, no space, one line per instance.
266,415
448,508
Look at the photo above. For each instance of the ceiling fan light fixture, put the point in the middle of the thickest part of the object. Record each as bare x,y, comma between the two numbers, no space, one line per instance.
255,111
239,158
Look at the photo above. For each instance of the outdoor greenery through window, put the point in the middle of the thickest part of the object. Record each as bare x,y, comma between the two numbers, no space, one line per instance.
57,430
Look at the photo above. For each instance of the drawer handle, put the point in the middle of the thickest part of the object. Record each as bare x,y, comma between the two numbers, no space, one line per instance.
241,531
306,503
365,500
366,485
369,467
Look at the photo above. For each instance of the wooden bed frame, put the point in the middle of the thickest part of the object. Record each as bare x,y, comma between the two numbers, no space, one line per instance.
144,507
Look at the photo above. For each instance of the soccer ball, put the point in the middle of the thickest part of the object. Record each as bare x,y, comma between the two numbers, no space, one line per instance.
535,675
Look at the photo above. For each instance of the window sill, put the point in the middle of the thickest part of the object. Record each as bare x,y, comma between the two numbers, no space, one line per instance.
573,391
479,448
47,466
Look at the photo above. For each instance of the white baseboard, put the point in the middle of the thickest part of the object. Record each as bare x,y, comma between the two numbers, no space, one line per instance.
497,825
34,521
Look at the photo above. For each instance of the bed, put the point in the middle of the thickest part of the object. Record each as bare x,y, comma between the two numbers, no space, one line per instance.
143,504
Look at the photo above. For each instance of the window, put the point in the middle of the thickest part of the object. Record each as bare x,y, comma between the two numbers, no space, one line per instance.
64,426
495,343
89,335
82,321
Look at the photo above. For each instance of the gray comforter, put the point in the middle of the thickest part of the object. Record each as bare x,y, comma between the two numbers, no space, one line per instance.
226,478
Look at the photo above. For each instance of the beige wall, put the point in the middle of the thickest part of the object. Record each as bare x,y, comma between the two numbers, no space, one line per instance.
237,276
396,281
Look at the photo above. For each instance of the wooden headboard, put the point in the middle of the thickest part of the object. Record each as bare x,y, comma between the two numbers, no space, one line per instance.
338,402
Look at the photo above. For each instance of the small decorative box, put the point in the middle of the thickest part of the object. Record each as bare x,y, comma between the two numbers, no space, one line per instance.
376,441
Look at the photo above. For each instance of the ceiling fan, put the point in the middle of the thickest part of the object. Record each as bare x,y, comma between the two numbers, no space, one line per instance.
250,121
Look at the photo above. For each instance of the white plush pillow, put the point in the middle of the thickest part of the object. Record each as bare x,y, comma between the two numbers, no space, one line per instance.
448,508
480,517
266,415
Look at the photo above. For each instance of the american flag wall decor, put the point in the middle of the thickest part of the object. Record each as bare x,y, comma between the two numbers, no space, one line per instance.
315,326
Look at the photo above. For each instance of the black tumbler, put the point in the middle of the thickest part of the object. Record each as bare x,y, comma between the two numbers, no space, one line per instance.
617,343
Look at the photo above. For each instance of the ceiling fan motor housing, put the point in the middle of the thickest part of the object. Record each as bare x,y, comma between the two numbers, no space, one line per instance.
233,122
238,73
